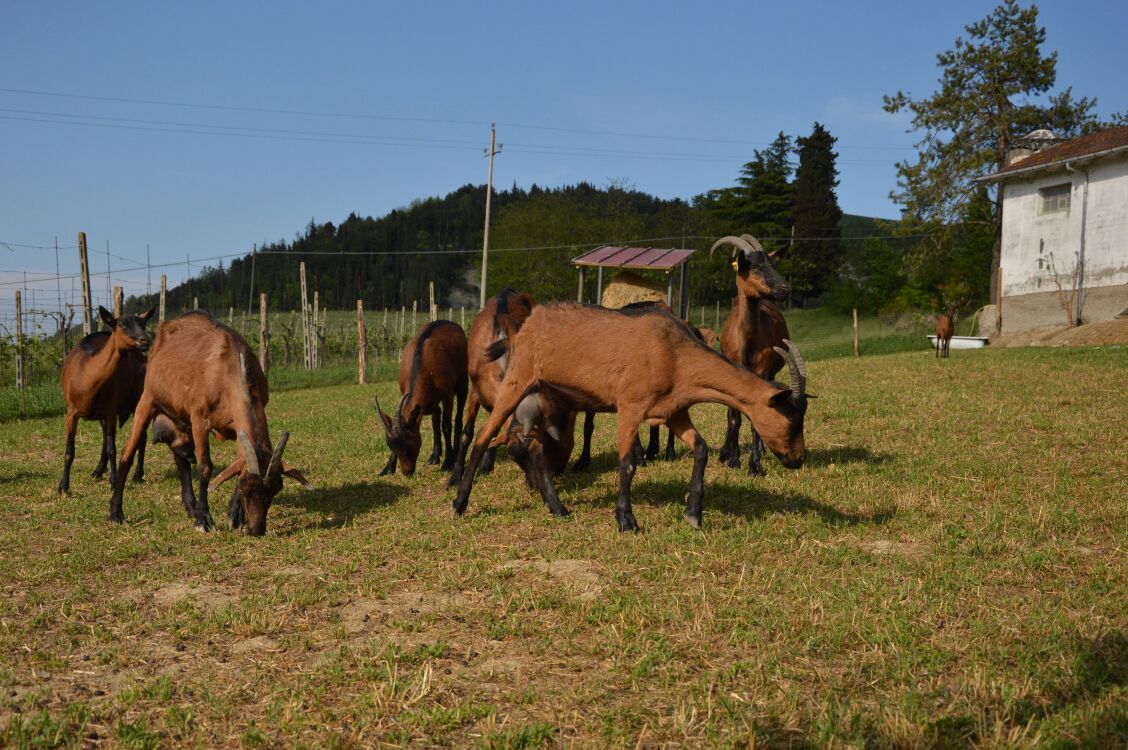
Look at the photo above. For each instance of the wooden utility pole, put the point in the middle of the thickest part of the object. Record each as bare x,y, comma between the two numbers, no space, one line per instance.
264,335
251,293
119,300
434,310
84,264
361,344
856,332
486,235
19,343
307,360
164,284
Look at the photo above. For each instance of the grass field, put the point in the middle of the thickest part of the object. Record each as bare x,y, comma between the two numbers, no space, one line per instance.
948,569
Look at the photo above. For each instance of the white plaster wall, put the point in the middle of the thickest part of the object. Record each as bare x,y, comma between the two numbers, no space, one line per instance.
1029,237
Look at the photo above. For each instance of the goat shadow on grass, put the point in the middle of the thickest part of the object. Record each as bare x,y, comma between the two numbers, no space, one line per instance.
339,506
847,454
21,476
754,503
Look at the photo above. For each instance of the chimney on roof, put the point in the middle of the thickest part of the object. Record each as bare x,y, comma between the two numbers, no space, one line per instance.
1032,143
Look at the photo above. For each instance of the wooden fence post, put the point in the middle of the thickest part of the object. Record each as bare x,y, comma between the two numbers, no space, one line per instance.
361,343
164,282
464,316
434,310
316,329
856,332
403,312
307,361
87,304
264,335
118,301
19,343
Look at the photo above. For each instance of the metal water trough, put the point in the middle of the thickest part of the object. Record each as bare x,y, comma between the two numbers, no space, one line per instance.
963,342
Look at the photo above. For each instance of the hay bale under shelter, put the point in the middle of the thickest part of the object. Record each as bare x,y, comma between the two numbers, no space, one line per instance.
627,287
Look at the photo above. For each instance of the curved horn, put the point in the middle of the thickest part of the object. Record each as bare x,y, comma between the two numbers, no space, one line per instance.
276,456
235,467
385,422
755,243
249,454
738,243
399,410
795,366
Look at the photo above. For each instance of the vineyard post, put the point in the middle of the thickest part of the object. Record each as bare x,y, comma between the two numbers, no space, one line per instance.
19,343
195,303
164,283
264,334
230,317
434,310
315,342
118,301
87,310
307,361
856,332
361,344
464,316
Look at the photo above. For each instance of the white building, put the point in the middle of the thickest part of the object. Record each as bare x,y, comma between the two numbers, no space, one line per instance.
1065,222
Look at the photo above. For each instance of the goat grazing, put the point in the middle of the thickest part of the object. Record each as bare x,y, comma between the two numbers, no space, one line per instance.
203,379
103,376
432,376
647,368
751,333
945,329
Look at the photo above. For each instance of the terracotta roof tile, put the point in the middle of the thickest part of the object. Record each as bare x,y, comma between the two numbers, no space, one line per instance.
1073,149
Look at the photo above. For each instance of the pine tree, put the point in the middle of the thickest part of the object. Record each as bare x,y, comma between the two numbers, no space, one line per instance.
811,263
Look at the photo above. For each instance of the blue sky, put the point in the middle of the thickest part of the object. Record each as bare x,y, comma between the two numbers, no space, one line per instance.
304,110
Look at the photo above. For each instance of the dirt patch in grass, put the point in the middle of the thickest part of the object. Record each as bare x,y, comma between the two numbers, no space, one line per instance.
1106,332
206,595
580,576
898,547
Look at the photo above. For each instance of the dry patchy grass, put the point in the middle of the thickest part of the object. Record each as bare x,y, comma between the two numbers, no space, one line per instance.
948,569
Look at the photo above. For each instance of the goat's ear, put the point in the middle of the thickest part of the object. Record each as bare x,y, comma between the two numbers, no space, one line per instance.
780,398
145,317
297,476
106,316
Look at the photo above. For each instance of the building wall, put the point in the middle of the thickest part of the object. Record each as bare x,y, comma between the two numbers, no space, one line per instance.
1030,236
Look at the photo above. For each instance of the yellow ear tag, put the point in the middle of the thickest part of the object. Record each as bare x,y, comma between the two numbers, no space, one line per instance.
736,265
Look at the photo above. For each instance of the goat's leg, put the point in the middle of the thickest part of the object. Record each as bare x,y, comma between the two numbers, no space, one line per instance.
70,427
627,438
436,426
652,444
670,454
141,417
756,455
488,462
184,474
448,459
730,451
455,450
100,469
390,467
139,472
585,450
682,424
466,436
506,404
529,455
235,512
204,520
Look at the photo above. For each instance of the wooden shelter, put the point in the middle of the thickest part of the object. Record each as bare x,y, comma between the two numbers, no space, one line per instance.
666,260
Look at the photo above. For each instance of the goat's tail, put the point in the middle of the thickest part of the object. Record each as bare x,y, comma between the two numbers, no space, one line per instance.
497,349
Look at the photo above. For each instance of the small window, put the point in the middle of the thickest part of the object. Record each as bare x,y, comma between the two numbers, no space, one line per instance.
1055,198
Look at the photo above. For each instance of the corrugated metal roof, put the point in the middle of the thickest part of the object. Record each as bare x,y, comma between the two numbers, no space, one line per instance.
646,258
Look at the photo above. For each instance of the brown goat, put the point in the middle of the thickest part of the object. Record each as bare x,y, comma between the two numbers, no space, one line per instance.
945,329
652,448
203,379
432,375
647,368
103,376
751,333
501,318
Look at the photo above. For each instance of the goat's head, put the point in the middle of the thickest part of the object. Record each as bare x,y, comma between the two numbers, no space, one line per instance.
781,424
255,489
402,434
128,331
756,274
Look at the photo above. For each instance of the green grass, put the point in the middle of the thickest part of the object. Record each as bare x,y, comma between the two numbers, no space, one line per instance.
948,569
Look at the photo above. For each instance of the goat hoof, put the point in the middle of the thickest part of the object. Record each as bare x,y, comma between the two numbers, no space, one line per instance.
694,521
205,524
433,460
97,474
581,464
626,521
560,512
447,465
757,471
454,479
459,508
139,480
118,518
